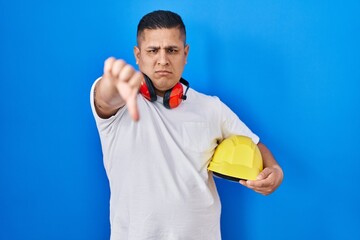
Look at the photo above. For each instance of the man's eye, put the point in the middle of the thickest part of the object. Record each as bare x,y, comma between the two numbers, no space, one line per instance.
152,51
170,50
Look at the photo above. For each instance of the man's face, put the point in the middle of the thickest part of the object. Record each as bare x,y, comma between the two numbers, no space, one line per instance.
161,55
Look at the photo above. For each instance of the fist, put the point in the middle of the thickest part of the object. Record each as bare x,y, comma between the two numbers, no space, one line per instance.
126,80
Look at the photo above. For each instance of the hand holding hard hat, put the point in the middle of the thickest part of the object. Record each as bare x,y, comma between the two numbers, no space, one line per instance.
238,158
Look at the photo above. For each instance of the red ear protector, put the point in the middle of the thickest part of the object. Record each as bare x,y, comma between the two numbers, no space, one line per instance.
172,98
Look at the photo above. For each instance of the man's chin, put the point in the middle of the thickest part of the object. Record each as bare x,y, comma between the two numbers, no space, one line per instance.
160,90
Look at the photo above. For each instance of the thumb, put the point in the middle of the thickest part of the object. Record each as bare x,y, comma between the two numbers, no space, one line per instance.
263,174
132,107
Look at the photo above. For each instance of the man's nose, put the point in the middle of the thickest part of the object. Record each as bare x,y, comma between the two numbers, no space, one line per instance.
162,58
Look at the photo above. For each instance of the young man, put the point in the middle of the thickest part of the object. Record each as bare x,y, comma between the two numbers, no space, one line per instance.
157,145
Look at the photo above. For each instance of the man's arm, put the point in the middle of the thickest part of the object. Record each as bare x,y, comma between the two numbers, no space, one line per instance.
118,86
270,178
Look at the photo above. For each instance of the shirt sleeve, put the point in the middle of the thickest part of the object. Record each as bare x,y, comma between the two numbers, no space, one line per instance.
104,125
232,125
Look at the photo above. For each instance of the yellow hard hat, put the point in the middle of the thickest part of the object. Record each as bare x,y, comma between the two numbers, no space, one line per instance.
235,158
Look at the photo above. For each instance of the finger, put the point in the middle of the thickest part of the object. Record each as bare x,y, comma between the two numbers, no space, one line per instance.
264,174
263,186
117,68
242,182
247,183
257,184
108,65
126,73
135,80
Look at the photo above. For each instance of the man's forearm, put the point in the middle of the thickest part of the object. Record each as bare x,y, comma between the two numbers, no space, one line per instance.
268,158
107,98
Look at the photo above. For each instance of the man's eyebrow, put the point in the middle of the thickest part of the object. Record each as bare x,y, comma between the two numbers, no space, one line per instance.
166,47
171,47
152,47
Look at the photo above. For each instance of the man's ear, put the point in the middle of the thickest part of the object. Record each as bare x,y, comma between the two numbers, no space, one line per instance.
186,52
137,54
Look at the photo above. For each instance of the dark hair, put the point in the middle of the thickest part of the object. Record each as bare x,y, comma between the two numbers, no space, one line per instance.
161,19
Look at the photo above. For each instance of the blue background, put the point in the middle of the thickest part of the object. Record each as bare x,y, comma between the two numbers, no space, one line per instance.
290,69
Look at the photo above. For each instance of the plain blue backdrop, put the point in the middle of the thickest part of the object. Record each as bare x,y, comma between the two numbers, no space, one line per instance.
290,70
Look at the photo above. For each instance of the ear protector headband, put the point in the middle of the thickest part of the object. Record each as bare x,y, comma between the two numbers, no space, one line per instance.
172,97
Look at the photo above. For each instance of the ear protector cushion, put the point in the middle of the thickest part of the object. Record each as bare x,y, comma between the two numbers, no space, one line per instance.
147,89
173,97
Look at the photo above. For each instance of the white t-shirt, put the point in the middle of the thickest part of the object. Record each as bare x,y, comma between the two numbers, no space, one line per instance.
157,167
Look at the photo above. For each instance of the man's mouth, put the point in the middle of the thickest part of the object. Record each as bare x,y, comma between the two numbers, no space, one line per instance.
163,72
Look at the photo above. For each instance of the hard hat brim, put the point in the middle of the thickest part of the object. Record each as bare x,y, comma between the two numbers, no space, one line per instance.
234,179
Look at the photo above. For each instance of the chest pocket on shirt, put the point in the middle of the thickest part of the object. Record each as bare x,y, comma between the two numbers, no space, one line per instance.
196,136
